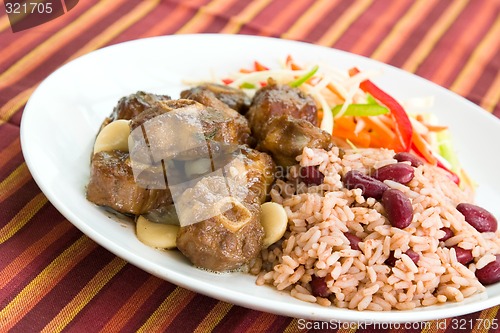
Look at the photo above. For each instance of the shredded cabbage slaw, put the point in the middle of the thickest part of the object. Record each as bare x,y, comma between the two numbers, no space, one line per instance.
358,113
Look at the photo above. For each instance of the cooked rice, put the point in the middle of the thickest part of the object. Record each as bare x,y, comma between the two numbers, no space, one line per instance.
314,243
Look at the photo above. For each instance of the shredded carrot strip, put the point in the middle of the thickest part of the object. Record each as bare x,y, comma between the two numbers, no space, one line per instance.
291,63
335,91
346,122
375,142
423,148
360,125
361,140
387,120
259,67
345,129
320,115
434,128
380,128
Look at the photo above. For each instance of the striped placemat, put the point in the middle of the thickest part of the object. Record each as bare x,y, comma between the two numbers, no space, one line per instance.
53,278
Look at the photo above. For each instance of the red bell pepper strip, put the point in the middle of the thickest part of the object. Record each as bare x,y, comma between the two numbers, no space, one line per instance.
404,129
227,81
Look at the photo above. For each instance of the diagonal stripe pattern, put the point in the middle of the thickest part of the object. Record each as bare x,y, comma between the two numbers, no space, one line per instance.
42,252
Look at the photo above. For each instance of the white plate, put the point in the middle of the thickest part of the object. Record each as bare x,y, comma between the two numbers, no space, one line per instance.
62,117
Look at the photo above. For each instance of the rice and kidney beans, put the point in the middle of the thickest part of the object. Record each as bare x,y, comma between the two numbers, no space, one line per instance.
366,232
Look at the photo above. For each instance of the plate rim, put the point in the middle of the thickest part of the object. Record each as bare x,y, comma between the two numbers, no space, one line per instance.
182,280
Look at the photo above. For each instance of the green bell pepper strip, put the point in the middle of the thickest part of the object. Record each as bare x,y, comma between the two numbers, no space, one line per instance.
370,99
304,77
361,110
247,85
446,150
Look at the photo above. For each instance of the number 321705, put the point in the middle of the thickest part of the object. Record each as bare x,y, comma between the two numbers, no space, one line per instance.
479,323
28,7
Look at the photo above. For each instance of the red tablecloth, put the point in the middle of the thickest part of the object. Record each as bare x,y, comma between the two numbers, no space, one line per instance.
53,278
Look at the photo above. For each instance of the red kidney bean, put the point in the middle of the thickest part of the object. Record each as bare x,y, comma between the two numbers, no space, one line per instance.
319,287
478,217
490,273
398,172
414,256
353,240
408,157
463,256
310,175
448,234
391,260
370,187
398,208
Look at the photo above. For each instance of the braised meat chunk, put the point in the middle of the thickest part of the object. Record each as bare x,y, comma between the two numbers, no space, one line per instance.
192,130
130,106
170,129
225,99
284,121
260,170
112,184
212,94
220,215
220,224
285,138
276,100
210,244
